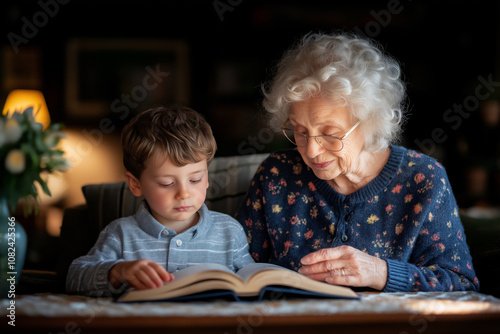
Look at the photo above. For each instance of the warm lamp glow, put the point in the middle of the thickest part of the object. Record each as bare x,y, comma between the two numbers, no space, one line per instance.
20,99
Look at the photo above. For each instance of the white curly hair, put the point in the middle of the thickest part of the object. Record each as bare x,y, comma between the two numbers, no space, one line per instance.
348,70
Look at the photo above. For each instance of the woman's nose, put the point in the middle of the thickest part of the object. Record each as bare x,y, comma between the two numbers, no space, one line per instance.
313,147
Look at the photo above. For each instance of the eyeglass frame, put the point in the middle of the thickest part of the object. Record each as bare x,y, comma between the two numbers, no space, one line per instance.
316,137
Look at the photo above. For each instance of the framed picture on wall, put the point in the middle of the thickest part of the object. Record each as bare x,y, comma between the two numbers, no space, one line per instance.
115,75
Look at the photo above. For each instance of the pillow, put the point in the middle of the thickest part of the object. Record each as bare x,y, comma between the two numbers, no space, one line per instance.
229,179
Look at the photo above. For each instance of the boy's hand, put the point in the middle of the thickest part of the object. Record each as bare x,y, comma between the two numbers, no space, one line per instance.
139,274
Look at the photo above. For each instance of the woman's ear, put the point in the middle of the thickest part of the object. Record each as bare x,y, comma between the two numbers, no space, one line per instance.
133,183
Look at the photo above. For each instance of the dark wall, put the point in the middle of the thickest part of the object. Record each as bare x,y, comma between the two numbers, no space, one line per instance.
447,49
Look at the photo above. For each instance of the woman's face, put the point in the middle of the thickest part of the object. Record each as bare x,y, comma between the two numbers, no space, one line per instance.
318,116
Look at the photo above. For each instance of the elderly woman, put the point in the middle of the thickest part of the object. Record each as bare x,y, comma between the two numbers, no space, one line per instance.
348,206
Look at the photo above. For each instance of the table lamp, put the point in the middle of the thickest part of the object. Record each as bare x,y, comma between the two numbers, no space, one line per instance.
20,99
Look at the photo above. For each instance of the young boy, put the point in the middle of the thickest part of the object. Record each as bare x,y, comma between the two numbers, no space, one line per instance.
166,153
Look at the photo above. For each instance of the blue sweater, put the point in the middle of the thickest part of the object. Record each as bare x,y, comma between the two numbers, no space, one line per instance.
407,216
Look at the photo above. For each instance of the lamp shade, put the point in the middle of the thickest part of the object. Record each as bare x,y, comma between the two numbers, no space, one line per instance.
20,99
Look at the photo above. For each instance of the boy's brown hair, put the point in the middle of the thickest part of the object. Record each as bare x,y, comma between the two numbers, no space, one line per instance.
176,133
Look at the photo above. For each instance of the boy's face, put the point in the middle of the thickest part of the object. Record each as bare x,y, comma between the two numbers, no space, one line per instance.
174,194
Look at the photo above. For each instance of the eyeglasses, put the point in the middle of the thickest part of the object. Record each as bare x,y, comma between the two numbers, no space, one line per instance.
328,142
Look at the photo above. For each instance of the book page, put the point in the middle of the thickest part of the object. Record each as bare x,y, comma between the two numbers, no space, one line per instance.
250,270
192,270
189,280
293,279
201,272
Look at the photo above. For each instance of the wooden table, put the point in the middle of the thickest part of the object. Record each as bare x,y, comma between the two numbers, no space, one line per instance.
375,313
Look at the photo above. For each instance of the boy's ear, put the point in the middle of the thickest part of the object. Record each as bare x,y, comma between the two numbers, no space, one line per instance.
133,184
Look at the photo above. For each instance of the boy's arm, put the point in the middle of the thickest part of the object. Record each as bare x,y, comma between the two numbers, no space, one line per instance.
88,274
104,273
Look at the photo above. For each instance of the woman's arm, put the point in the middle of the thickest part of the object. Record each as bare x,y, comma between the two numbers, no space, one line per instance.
437,256
440,260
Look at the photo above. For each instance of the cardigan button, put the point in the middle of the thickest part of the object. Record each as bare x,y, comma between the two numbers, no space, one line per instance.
344,238
348,216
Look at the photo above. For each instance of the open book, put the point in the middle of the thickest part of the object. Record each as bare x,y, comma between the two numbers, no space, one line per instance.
256,281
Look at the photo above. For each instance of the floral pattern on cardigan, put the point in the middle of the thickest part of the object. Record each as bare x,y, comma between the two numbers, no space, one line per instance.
407,216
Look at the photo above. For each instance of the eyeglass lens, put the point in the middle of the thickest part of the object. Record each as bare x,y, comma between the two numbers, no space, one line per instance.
299,139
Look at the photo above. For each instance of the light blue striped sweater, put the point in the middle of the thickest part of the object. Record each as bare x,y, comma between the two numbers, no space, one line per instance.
217,238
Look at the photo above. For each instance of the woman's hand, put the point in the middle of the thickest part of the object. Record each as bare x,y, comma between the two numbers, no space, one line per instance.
345,265
139,274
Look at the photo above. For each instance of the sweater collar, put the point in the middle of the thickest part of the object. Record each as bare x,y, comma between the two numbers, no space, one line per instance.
374,187
151,226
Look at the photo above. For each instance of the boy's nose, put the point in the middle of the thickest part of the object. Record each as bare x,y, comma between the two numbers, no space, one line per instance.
183,193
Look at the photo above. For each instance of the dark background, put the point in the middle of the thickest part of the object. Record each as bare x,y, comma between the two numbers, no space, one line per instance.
444,47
